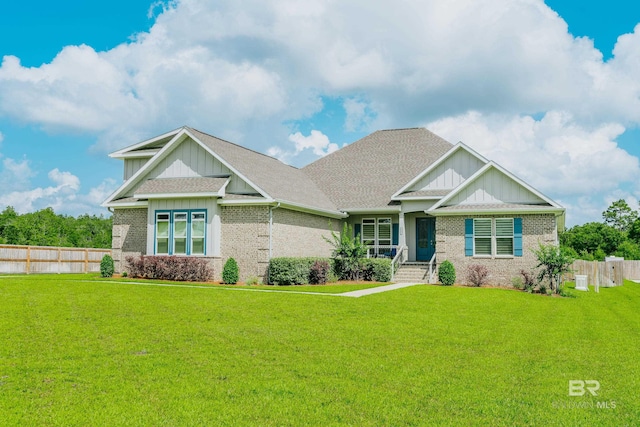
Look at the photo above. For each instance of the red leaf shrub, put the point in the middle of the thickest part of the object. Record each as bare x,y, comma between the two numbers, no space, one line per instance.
319,272
477,274
179,269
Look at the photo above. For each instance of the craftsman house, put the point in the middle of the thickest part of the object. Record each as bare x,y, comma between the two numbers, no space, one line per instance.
409,194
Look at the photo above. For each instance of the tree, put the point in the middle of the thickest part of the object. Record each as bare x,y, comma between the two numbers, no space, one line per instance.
348,253
593,240
554,263
619,215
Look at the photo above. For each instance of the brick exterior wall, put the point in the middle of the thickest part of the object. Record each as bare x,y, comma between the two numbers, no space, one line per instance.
129,235
245,237
299,234
539,228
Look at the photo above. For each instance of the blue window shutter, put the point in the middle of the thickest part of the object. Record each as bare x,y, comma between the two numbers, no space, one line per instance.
468,237
517,236
356,230
395,231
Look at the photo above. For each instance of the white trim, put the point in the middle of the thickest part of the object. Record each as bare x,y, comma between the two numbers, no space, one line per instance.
241,202
177,139
175,195
556,211
121,152
401,198
138,204
136,176
140,154
445,156
360,211
308,209
482,171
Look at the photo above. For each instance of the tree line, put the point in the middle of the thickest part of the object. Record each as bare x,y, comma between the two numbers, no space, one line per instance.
46,228
618,234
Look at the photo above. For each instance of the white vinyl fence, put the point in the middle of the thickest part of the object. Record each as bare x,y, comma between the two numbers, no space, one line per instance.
47,259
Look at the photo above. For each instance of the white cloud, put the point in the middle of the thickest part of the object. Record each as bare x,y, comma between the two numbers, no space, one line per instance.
317,142
565,160
248,70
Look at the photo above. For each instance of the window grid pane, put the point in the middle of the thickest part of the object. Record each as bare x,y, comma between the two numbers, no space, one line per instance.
482,227
504,227
483,245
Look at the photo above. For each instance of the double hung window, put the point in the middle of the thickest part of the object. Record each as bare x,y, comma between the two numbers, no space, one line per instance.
180,232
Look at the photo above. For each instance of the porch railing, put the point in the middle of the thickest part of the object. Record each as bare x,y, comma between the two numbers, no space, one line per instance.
382,251
432,268
401,256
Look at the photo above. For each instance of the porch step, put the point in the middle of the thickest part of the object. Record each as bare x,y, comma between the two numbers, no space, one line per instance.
412,272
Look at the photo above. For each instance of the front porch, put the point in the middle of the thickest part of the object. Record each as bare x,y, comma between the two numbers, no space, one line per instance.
408,239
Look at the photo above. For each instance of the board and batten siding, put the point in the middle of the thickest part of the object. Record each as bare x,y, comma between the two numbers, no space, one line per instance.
494,187
188,160
450,173
213,220
131,166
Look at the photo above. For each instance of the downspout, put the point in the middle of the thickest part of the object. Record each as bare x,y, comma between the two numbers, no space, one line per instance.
271,209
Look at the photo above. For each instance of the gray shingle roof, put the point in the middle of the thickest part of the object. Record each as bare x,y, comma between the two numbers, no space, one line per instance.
280,181
192,185
426,193
366,173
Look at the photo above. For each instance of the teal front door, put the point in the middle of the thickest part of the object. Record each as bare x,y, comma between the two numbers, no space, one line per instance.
425,238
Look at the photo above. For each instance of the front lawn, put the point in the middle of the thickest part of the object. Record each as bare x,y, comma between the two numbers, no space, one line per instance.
78,352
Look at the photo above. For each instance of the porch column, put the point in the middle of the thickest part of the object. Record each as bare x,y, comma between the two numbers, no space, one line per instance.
402,235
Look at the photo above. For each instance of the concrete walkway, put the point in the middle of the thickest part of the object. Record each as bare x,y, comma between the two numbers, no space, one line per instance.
351,294
370,291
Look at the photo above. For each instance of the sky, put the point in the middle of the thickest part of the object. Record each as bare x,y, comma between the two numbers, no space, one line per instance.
549,90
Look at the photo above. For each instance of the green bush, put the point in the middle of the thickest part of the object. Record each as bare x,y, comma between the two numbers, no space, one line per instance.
230,273
376,269
447,273
252,281
106,266
292,271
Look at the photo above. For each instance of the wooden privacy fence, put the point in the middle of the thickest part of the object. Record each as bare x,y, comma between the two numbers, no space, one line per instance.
47,259
604,273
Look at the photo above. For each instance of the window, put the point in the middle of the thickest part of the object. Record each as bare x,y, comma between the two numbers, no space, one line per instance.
493,237
504,236
180,232
482,236
197,233
162,233
379,234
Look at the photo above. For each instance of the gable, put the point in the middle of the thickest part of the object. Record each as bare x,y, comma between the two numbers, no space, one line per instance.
494,187
189,159
450,173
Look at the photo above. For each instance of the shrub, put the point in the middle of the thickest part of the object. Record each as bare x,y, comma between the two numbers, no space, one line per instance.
517,282
106,266
319,272
230,273
477,274
554,262
348,253
253,280
542,288
163,267
376,269
293,271
447,273
528,280
124,274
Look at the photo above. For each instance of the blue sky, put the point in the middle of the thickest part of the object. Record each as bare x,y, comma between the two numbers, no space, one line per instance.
535,86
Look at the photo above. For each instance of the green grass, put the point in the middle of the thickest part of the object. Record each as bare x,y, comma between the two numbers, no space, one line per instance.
75,352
